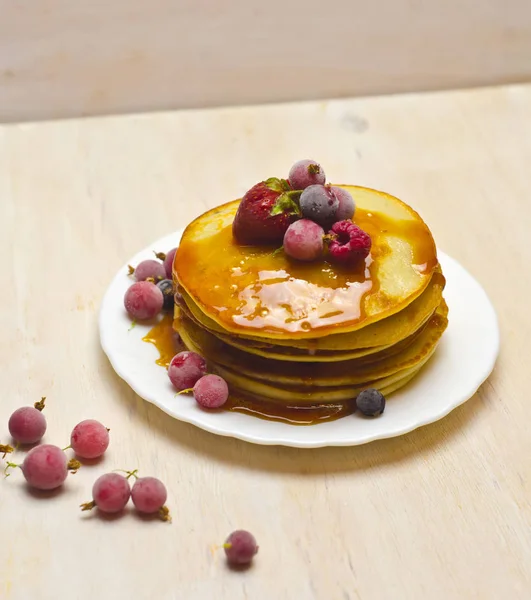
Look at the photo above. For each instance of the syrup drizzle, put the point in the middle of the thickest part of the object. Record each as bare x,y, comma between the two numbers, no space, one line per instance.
163,337
249,287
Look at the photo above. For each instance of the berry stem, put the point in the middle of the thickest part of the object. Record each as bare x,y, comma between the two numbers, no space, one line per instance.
164,514
6,449
133,473
87,505
186,391
73,466
40,404
160,255
66,448
10,465
130,270
133,324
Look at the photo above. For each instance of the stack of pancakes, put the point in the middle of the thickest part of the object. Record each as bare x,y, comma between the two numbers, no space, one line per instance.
287,335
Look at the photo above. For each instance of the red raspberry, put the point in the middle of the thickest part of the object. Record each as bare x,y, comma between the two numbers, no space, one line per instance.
349,243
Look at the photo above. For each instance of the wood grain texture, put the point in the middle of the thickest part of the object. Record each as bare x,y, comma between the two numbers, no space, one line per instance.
442,513
62,58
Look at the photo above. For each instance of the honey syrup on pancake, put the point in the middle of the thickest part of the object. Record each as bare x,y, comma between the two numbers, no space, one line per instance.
258,287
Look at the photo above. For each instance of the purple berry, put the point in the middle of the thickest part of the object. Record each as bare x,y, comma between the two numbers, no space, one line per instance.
304,240
149,495
346,207
211,391
319,203
305,173
185,369
166,287
110,493
150,268
27,425
240,547
89,439
143,300
370,402
45,467
168,263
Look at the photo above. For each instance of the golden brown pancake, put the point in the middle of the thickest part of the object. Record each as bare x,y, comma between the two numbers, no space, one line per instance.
289,334
257,291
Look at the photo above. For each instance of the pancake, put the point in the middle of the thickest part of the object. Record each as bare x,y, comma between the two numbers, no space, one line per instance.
289,335
301,414
314,375
299,354
383,333
257,291
312,396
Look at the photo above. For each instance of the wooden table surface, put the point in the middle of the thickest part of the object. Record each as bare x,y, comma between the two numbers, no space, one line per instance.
441,513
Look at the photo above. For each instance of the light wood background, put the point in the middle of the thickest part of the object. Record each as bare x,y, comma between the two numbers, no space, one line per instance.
65,58
443,513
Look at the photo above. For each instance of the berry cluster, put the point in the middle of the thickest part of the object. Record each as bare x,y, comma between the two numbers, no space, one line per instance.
305,214
153,290
111,493
46,467
188,373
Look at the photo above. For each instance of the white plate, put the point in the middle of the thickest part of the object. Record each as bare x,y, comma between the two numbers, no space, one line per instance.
464,359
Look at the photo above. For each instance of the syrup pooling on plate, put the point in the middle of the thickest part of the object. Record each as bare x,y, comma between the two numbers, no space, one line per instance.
259,288
165,340
162,336
294,415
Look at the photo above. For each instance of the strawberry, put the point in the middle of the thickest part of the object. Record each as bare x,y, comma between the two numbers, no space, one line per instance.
265,212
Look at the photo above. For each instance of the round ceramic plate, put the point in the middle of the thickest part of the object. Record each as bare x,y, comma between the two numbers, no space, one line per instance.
464,359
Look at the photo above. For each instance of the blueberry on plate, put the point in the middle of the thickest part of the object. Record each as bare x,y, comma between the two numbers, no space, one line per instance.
370,402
